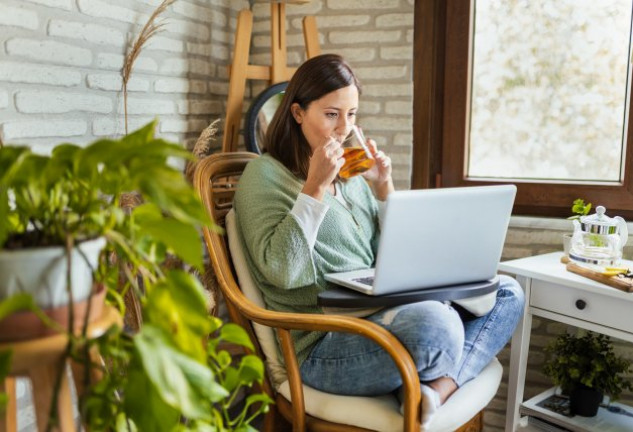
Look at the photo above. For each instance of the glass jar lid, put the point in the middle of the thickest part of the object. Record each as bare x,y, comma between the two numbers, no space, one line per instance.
599,223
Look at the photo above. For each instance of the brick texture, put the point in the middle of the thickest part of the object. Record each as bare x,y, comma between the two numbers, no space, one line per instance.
18,17
61,60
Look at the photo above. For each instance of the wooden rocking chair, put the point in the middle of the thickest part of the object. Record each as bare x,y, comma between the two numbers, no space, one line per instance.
306,408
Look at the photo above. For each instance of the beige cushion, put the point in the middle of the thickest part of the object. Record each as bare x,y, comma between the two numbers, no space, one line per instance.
265,335
380,413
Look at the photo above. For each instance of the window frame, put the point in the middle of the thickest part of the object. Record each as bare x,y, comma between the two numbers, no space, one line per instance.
442,49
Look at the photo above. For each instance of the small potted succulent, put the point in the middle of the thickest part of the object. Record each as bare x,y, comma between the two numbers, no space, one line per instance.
586,368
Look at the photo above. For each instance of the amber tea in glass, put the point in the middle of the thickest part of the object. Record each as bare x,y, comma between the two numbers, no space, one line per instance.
358,157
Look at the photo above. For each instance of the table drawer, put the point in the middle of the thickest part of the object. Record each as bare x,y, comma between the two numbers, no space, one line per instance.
608,311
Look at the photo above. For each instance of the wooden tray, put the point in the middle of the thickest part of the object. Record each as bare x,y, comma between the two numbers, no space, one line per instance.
620,282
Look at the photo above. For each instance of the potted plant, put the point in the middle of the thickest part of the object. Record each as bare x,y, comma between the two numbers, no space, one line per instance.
586,368
173,372
579,208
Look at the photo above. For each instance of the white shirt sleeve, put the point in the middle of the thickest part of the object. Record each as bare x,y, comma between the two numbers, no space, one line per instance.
309,213
382,206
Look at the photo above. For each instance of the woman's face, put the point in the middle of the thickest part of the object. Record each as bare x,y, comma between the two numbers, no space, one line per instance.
330,116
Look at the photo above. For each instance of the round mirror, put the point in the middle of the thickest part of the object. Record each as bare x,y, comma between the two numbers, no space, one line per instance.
260,114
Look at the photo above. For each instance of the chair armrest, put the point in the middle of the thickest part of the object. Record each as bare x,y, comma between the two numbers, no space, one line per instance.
285,321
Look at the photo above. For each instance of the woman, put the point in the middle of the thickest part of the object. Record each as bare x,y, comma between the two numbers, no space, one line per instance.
298,221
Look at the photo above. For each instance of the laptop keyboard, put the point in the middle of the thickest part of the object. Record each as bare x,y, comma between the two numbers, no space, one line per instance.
369,280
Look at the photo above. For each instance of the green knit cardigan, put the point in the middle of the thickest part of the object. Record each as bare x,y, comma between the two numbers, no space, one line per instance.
287,272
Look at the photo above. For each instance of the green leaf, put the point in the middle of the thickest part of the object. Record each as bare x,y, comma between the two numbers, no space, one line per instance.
141,135
181,382
178,306
223,359
5,224
124,424
233,333
16,303
10,160
5,363
30,170
251,369
231,379
64,157
145,406
5,368
182,238
146,212
262,398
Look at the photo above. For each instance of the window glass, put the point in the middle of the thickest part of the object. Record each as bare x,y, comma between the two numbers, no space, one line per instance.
549,89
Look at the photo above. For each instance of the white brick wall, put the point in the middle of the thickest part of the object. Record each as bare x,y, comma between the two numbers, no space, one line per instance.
53,102
4,99
114,82
18,17
17,72
59,4
61,60
93,33
47,51
41,128
102,9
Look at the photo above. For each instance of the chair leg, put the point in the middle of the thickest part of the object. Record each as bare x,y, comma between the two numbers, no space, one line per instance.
9,418
275,422
43,382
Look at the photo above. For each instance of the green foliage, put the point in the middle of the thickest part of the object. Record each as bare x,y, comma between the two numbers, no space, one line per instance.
5,367
176,378
579,208
173,374
588,360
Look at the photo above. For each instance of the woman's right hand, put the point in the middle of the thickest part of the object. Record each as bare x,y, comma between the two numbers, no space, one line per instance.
325,163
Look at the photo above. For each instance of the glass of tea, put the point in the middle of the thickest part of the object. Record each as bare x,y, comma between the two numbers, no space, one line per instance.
358,157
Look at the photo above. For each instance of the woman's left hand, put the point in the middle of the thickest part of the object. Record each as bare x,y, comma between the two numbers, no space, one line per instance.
379,176
381,171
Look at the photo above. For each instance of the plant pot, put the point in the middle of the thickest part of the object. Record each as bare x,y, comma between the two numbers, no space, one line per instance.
42,272
584,401
26,325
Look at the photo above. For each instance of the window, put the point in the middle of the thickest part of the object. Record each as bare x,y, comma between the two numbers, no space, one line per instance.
529,92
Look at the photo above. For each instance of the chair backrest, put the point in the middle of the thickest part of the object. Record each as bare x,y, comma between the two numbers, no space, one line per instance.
216,179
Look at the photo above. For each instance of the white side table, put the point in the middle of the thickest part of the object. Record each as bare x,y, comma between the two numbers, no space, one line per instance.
554,293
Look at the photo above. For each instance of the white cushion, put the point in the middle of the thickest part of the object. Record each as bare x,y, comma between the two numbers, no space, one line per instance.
381,413
265,335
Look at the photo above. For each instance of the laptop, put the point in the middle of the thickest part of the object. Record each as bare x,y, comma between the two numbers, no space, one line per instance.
436,237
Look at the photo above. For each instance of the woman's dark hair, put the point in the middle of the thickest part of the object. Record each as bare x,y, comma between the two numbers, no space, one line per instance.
314,79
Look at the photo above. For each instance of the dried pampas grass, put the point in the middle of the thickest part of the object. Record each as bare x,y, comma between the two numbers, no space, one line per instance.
150,29
202,148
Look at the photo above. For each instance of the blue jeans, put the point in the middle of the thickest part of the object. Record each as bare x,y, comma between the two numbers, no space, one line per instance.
443,341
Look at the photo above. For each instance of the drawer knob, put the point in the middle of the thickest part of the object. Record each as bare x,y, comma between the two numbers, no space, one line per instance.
581,304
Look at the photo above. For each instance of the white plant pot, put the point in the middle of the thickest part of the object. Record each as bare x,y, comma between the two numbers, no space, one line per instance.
42,272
